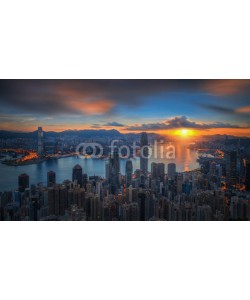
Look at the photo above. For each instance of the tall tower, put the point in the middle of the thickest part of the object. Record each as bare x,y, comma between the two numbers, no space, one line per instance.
129,171
144,153
161,171
154,170
77,175
40,141
114,170
231,167
107,169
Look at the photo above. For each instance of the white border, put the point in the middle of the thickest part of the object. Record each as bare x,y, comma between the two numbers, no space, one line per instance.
124,39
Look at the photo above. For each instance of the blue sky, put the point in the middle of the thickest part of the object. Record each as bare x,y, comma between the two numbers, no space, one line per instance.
124,104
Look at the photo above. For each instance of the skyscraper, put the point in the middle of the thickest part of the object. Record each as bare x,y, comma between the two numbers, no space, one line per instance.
154,170
161,171
33,208
51,178
84,180
231,168
142,205
158,171
40,141
114,170
77,175
144,153
179,182
171,170
23,182
107,168
129,172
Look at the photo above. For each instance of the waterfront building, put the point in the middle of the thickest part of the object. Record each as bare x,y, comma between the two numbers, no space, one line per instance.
40,145
144,153
77,175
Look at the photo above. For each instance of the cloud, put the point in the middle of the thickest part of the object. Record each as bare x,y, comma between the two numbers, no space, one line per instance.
91,107
114,124
54,97
179,122
17,118
95,126
227,110
243,110
219,109
226,87
97,97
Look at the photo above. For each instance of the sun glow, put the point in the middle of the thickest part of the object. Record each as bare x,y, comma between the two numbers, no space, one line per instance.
184,132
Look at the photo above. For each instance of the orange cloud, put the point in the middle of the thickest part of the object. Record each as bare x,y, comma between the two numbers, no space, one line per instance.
83,102
226,86
94,107
243,110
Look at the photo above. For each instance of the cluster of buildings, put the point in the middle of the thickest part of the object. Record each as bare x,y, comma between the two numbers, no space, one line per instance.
220,190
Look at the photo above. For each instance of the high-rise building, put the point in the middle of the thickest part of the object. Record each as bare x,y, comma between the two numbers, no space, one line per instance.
171,170
50,198
179,183
114,170
23,182
231,168
142,205
33,208
129,172
107,168
144,153
158,171
77,175
161,171
154,170
84,180
40,146
51,178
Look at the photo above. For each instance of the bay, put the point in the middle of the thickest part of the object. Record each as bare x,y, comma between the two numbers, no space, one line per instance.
185,160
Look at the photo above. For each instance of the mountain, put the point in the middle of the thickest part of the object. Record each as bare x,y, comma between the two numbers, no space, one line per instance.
84,134
4,134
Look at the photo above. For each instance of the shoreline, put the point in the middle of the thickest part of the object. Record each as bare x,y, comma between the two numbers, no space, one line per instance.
37,161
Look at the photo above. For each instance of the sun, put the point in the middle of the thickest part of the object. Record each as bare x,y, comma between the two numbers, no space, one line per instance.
184,132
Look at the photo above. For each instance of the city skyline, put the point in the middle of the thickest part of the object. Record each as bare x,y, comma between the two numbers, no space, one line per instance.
125,150
183,108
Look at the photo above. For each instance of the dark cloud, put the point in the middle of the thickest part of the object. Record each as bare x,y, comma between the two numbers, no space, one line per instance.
96,126
114,124
219,109
242,113
180,122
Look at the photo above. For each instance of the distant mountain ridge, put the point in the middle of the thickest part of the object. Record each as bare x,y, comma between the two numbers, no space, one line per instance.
85,133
